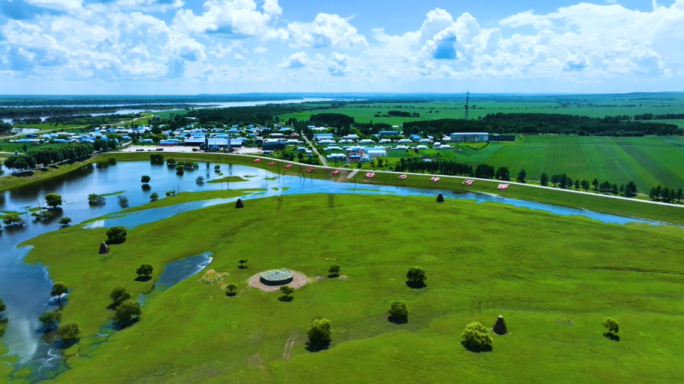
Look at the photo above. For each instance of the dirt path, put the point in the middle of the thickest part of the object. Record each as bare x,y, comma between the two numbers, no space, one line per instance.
324,161
287,352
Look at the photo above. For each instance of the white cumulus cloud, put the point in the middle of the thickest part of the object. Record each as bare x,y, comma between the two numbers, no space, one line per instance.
326,31
296,60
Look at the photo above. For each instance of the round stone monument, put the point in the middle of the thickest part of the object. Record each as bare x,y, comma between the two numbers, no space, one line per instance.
276,277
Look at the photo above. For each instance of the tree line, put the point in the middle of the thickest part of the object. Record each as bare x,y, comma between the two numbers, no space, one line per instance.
666,195
261,114
540,123
566,182
666,116
561,180
47,156
22,112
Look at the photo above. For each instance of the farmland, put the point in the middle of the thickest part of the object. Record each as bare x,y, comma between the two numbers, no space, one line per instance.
648,161
553,278
481,105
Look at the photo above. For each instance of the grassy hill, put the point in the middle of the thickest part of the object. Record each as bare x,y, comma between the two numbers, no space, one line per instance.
554,279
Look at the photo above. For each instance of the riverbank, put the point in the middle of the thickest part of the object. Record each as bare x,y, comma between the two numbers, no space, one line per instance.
554,278
568,198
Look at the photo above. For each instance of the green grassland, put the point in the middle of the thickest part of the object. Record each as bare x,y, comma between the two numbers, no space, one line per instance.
553,278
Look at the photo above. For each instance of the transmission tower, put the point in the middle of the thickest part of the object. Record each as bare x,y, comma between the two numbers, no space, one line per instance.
466,105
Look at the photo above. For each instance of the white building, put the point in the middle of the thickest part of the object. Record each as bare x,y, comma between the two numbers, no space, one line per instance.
469,136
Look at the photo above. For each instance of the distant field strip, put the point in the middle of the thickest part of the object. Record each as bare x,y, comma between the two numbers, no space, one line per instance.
648,161
662,160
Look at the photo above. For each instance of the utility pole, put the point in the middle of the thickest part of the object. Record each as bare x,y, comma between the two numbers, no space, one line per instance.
466,105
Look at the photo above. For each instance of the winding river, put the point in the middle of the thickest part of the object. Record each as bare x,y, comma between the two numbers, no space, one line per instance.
25,288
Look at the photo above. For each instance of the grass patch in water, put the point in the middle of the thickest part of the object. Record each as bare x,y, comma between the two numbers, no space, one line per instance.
227,179
113,193
534,268
185,197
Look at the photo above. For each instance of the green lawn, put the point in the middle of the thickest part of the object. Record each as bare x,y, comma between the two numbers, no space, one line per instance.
554,279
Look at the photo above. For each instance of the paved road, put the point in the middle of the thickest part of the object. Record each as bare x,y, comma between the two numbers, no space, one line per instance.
490,180
324,161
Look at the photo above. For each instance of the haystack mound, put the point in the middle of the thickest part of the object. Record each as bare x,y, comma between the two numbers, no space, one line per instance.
239,204
211,277
440,198
104,249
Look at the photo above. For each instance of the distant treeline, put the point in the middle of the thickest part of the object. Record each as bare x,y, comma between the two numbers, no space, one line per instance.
22,112
403,114
47,156
5,127
331,120
667,116
261,114
539,123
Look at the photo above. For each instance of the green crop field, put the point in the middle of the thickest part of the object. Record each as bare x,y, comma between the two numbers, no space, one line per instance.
648,161
599,106
553,278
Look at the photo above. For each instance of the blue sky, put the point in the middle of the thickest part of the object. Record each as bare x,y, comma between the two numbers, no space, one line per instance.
236,46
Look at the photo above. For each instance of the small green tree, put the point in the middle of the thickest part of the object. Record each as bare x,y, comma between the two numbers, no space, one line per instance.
12,219
127,310
544,179
145,179
416,275
59,289
2,306
42,215
475,336
287,292
334,270
69,332
612,325
53,200
95,199
231,289
116,235
521,176
319,332
399,310
154,196
119,295
242,263
64,221
144,270
50,319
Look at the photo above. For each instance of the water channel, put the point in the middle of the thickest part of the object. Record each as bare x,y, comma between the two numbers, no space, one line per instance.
25,288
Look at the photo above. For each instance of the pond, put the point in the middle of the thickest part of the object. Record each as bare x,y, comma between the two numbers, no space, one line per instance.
26,288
